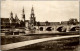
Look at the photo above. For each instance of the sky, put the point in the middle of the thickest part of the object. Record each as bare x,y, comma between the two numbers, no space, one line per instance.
52,11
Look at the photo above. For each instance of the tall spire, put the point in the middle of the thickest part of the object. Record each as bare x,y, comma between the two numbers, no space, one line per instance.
11,17
11,14
23,10
23,14
32,10
16,17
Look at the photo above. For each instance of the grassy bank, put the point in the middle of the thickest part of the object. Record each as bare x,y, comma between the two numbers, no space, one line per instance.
69,44
14,39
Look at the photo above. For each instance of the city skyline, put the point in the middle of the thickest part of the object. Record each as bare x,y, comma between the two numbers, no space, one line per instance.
52,11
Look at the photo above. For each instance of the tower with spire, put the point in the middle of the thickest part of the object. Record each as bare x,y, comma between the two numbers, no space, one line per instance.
23,15
16,19
32,17
11,17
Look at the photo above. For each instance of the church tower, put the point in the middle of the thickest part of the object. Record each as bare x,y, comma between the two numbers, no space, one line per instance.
32,18
11,17
16,18
23,15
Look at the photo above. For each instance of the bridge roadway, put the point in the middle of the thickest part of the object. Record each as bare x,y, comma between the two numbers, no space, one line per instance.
25,43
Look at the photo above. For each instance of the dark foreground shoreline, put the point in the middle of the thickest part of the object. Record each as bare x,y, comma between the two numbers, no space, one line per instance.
70,44
14,39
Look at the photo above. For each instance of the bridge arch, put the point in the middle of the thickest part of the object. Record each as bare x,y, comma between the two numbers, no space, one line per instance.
49,29
74,28
61,29
41,28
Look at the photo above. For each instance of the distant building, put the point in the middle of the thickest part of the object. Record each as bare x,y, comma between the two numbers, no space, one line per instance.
54,23
5,23
14,22
48,23
64,22
42,24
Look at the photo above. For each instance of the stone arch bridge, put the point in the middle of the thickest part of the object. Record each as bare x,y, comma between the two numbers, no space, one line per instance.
54,28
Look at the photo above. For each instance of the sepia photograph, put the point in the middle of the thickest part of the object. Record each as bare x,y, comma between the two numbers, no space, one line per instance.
40,25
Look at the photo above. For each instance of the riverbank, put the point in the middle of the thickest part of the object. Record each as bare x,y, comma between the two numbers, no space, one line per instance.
19,38
69,44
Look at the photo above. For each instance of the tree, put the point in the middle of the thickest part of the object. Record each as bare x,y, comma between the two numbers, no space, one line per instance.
73,21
